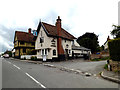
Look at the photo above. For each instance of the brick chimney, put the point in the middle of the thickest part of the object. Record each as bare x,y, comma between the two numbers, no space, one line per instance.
108,38
59,40
29,30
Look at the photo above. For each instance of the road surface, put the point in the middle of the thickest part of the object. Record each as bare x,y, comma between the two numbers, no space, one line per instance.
20,74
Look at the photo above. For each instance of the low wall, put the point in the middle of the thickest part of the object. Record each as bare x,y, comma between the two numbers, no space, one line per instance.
27,56
115,65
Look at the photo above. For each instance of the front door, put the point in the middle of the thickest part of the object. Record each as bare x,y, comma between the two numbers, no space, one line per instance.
44,57
66,54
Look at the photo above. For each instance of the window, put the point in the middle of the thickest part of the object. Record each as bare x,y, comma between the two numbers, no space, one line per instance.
42,52
45,51
72,42
33,43
67,46
24,50
69,51
65,41
41,39
54,52
21,42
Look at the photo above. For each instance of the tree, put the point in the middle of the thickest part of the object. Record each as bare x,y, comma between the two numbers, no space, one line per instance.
89,40
116,31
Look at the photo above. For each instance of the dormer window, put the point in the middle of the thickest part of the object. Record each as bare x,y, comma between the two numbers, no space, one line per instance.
65,41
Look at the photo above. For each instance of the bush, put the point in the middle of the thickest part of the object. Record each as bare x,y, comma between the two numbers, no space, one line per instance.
114,49
33,58
100,59
106,66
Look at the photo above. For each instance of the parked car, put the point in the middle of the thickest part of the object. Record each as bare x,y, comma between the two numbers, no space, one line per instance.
6,55
1,56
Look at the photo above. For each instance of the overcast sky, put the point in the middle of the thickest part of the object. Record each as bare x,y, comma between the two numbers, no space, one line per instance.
78,17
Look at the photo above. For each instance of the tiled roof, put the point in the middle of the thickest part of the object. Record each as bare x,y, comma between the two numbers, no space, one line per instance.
24,36
79,48
52,30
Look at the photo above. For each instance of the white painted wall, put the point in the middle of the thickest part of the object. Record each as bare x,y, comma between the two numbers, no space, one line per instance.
27,56
106,45
45,45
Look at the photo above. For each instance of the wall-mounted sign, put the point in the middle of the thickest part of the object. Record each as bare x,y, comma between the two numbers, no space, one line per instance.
53,43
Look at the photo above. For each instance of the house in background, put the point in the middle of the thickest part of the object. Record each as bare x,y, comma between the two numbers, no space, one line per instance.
55,43
24,42
106,44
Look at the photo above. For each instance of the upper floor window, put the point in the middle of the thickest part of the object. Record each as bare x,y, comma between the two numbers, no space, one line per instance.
33,43
21,42
65,41
73,42
41,39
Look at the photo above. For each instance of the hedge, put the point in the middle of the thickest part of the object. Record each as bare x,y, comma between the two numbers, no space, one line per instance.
114,49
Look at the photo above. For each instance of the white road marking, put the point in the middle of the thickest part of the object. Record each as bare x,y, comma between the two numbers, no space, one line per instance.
35,80
16,66
9,62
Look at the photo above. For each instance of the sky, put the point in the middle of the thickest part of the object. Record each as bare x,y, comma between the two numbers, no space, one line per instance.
78,17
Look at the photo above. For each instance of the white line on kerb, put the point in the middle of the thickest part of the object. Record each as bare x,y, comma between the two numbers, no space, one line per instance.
16,66
35,80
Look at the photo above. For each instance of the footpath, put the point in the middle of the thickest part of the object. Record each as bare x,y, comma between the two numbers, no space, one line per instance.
76,66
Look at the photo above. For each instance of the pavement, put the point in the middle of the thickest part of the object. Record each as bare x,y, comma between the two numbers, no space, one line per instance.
92,68
110,75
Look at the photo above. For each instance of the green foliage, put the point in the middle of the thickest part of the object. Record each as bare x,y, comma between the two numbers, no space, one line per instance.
114,49
33,58
100,59
106,66
89,40
116,31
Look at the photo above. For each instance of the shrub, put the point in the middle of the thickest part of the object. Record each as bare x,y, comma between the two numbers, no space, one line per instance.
114,49
33,58
106,66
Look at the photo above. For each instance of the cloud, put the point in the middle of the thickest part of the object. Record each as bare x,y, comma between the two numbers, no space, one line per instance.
78,17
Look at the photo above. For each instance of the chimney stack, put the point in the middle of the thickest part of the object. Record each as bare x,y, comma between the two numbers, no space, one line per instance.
59,40
29,30
108,38
58,25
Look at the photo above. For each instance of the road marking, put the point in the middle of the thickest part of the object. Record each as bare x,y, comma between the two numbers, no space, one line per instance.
16,66
9,62
35,80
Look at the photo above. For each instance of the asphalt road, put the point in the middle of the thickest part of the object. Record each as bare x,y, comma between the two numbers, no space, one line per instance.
83,65
19,74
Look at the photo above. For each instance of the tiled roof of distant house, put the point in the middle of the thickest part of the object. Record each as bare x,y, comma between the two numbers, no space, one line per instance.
51,30
79,48
24,36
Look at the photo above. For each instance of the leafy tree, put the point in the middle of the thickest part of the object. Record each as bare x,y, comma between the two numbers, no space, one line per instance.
116,31
89,40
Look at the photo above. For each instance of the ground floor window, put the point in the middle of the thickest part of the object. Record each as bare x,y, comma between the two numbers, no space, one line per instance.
24,50
54,52
44,51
